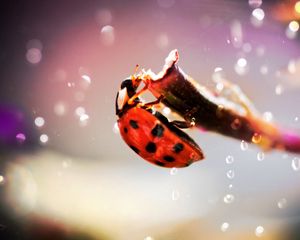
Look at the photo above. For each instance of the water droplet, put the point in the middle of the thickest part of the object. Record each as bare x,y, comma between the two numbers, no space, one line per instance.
292,66
236,124
79,111
108,35
67,163
260,156
244,145
21,137
86,78
173,171
218,69
259,231
282,203
44,138
256,138
220,110
229,159
230,186
264,70
247,47
296,119
241,66
236,34
193,122
258,14
84,117
34,55
162,41
292,30
268,116
296,164
242,62
230,174
39,121
228,198
224,226
255,3
70,84
175,195
294,26
59,109
278,89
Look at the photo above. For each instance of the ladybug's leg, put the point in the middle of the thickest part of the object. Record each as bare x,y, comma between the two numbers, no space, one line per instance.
136,95
182,124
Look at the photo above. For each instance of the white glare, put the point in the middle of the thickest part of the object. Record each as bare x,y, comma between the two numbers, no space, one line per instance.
242,62
44,138
84,117
87,78
116,129
218,69
166,110
79,111
241,66
282,203
278,89
39,121
259,231
268,116
1,179
228,198
224,226
294,26
148,238
258,13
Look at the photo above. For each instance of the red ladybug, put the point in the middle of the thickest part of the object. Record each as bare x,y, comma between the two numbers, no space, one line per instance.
150,134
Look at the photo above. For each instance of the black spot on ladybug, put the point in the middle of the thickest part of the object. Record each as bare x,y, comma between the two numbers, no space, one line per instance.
169,158
159,163
158,130
125,130
134,124
151,147
135,149
178,147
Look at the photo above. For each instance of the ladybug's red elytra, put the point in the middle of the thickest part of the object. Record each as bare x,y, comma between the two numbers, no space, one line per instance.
150,134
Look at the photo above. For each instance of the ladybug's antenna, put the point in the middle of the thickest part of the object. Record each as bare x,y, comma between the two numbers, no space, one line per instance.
136,68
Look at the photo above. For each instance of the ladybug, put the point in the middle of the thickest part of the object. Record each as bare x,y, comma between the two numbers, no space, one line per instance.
149,133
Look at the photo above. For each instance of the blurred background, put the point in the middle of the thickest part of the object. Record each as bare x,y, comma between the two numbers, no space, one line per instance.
65,172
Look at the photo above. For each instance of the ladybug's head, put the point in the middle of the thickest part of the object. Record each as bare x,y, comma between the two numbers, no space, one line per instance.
128,90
